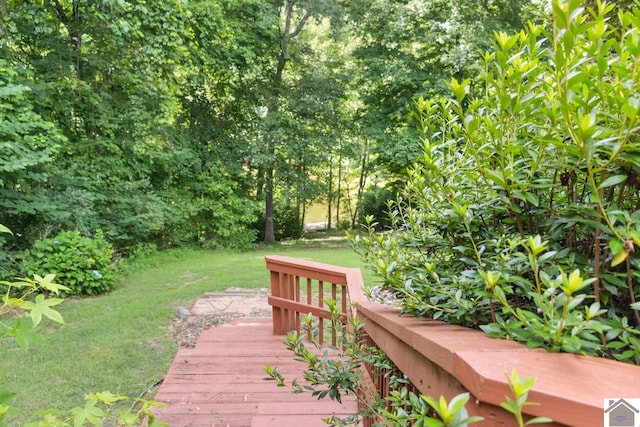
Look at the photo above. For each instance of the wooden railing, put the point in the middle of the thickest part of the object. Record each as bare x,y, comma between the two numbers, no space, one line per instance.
441,359
300,287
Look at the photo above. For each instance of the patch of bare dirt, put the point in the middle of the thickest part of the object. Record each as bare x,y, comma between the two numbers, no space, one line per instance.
214,309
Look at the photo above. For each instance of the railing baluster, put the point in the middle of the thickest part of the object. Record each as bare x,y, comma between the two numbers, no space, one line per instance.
296,292
276,311
289,306
309,300
321,304
285,295
334,332
291,318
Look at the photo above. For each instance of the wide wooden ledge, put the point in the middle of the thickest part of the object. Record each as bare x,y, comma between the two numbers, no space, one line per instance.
442,359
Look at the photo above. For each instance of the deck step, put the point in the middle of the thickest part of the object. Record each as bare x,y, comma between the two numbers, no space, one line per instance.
221,382
307,414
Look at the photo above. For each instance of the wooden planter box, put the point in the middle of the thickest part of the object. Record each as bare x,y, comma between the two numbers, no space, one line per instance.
442,359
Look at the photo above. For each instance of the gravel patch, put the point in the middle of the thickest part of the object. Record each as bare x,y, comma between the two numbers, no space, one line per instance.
215,309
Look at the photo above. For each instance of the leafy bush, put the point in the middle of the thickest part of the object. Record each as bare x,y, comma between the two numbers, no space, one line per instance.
375,202
340,373
9,265
526,189
286,223
98,406
81,264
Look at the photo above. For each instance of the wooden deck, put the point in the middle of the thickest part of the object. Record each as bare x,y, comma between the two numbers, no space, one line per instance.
220,382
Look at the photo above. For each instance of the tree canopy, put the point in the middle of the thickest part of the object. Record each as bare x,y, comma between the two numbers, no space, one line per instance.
219,122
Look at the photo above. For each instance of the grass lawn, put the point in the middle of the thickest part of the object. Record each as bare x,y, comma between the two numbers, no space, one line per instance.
118,342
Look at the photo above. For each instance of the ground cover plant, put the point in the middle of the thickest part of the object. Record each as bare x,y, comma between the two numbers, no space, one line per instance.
118,341
523,214
81,264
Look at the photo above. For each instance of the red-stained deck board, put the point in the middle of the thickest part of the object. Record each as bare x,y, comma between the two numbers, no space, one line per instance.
220,383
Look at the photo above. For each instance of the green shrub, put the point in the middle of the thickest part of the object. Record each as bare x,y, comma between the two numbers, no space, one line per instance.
79,263
286,223
523,215
375,202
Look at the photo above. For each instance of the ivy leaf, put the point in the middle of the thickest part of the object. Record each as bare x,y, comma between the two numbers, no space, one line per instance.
42,307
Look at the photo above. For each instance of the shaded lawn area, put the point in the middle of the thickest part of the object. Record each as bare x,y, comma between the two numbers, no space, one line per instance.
118,342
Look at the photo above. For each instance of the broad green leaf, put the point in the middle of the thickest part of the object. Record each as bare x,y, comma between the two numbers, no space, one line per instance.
47,283
127,417
619,257
154,423
432,422
458,402
496,177
4,229
41,306
105,397
532,198
536,244
12,302
88,414
613,180
459,89
23,333
19,284
616,245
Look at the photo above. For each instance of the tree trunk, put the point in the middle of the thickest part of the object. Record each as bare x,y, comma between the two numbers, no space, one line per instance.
301,190
339,192
269,232
3,12
330,193
361,184
287,35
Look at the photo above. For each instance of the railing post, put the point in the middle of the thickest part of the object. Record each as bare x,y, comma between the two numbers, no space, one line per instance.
276,311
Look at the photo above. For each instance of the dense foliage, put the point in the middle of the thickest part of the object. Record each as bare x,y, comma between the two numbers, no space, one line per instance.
95,97
182,123
528,189
81,264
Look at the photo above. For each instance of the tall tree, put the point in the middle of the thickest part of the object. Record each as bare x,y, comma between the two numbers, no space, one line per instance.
294,16
109,76
410,48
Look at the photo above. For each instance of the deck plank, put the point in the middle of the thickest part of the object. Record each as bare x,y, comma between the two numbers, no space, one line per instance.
220,382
